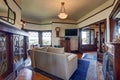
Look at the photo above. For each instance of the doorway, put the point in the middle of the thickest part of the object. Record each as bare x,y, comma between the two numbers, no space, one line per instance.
93,37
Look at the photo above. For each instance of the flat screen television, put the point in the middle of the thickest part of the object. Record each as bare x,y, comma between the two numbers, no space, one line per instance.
71,32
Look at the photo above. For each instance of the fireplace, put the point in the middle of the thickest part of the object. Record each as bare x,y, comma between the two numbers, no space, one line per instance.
108,69
111,61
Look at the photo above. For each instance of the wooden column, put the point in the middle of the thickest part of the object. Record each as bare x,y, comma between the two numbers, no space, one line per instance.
100,37
80,41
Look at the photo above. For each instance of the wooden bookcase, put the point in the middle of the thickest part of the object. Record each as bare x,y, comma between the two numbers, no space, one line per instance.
13,50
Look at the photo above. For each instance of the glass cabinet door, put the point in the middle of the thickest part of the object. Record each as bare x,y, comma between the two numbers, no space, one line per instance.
3,54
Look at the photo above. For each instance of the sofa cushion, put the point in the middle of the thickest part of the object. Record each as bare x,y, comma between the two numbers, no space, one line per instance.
56,50
41,48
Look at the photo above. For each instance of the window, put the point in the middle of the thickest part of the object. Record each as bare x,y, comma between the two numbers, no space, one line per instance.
46,38
40,38
87,37
33,38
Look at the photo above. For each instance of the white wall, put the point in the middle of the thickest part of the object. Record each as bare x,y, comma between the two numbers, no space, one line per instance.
55,40
52,26
37,27
100,16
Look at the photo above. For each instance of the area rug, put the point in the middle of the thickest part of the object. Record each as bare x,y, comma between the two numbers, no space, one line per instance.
81,72
89,56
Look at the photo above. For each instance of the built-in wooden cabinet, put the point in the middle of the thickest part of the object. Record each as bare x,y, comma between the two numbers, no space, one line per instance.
3,54
13,51
65,42
70,44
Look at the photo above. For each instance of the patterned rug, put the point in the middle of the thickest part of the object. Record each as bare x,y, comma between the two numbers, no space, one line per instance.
81,72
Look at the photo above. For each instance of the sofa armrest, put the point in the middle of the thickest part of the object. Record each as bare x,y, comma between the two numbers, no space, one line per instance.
72,56
71,64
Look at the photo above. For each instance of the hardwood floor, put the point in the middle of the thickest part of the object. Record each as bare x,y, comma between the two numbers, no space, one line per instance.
27,74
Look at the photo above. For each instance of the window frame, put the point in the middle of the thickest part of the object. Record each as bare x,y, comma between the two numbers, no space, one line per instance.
40,36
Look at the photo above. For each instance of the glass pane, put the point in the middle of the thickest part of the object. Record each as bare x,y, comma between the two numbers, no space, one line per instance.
46,38
33,38
3,54
92,37
85,37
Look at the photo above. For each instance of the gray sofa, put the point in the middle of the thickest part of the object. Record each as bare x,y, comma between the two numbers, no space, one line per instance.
54,61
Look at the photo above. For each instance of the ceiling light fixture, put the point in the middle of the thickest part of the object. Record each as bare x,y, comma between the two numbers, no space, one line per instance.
62,14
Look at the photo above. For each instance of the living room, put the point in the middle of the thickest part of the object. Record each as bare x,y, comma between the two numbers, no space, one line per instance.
86,38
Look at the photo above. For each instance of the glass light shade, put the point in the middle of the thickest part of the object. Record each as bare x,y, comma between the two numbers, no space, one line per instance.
62,15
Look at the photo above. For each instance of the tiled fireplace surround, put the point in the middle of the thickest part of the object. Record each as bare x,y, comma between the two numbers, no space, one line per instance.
108,70
111,62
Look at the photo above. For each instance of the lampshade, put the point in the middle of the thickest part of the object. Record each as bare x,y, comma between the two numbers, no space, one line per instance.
62,14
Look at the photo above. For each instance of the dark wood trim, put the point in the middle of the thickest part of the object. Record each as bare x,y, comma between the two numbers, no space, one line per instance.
80,41
65,23
37,23
116,60
49,23
115,10
100,37
10,29
26,46
98,12
10,48
112,23
36,30
17,4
